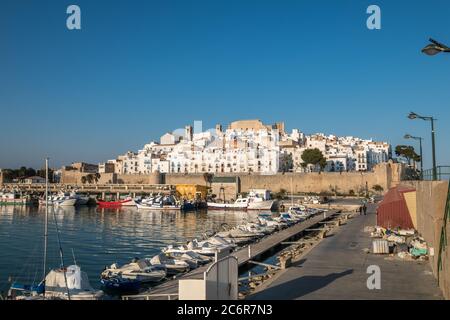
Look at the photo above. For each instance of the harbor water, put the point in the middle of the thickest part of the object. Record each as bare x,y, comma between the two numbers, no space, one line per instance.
94,237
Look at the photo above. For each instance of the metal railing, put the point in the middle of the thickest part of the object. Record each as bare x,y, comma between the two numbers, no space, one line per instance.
169,296
443,173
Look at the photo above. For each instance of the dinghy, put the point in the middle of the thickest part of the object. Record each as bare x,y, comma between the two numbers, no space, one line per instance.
172,265
138,269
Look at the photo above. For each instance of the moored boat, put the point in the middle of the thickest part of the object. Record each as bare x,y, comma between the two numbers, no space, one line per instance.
138,269
78,286
14,198
118,283
112,204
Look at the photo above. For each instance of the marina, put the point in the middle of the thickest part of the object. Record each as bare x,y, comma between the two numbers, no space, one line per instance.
245,255
98,237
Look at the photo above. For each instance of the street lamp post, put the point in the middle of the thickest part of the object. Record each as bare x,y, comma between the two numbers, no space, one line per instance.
434,48
408,136
413,116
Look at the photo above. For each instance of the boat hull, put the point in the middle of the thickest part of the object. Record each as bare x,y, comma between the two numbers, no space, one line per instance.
262,205
66,203
226,206
112,204
157,208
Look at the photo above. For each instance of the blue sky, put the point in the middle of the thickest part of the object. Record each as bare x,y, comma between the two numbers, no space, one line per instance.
138,69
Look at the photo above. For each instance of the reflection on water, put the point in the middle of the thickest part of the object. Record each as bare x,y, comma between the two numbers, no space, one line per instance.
98,237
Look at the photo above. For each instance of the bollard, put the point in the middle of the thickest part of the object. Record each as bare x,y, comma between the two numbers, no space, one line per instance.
249,252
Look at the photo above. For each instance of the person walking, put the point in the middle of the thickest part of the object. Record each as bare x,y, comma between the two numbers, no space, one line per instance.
360,210
365,209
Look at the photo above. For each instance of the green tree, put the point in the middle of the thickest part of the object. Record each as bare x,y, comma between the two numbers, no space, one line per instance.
286,163
208,178
314,157
90,178
407,152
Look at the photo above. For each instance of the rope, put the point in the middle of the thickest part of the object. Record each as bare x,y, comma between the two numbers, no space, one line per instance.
61,254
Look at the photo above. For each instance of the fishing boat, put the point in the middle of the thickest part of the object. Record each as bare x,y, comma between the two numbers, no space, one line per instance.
138,269
14,198
131,202
157,206
252,202
62,200
161,202
112,204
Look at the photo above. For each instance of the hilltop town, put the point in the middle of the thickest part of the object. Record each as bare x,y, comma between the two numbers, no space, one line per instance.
247,146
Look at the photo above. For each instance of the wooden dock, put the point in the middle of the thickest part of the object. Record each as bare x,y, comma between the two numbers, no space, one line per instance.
169,289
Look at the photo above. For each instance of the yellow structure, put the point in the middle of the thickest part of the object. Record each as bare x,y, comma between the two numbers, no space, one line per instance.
246,125
191,191
411,203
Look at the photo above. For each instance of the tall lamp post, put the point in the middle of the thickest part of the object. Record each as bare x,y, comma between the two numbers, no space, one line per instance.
408,136
432,49
414,116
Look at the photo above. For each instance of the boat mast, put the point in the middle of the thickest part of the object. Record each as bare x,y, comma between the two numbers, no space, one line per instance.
292,193
45,223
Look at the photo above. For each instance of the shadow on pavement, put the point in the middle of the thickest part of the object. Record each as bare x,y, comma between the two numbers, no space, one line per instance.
299,287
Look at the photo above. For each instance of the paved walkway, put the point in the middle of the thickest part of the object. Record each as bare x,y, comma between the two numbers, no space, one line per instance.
336,269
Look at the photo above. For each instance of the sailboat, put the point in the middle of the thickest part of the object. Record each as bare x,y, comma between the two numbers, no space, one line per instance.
59,284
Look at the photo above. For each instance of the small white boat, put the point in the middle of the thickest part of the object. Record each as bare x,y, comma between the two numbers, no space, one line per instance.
131,203
138,269
13,198
248,203
61,199
183,253
65,202
172,265
208,248
80,200
78,285
239,204
240,234
157,207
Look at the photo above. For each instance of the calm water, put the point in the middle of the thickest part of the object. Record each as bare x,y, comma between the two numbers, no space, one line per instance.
98,237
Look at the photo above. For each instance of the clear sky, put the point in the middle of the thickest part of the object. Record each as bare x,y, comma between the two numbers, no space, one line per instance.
138,69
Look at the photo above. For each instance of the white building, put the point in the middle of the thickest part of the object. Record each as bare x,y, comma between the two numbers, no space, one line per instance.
249,146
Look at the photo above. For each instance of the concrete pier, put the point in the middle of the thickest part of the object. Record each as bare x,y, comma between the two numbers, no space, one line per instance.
337,269
244,255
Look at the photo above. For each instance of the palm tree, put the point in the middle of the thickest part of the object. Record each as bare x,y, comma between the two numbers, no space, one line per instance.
90,178
97,177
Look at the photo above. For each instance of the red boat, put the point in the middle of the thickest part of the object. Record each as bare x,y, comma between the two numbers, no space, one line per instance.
111,204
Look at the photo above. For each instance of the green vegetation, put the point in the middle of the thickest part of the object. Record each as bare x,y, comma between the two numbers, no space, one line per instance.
286,163
315,158
377,188
24,172
90,178
280,195
407,152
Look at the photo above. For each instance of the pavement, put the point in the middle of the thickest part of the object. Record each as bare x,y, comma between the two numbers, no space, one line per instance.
336,269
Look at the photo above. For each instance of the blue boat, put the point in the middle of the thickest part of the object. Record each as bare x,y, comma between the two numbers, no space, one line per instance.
121,284
28,289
